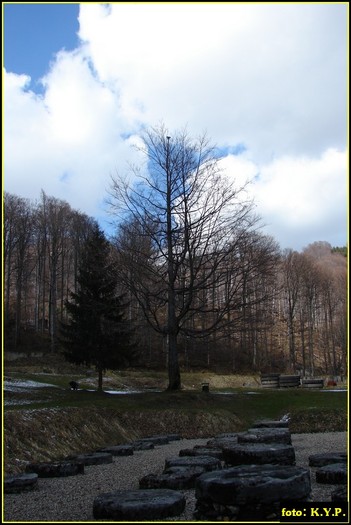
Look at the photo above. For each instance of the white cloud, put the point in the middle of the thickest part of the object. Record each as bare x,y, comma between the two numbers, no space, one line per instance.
271,77
240,169
302,188
300,199
304,196
67,142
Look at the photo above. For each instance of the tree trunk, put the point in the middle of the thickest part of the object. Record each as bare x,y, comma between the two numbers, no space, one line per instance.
173,365
172,325
303,345
18,309
8,286
100,373
53,307
291,338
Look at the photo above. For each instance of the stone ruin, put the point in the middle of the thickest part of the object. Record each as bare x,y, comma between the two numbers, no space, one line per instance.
236,476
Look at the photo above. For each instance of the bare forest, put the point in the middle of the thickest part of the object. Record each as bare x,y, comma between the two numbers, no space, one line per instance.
287,310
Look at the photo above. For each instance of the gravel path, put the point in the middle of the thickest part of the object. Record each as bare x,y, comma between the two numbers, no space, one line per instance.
71,499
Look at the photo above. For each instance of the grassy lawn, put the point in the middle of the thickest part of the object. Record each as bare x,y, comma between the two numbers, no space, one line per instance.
248,404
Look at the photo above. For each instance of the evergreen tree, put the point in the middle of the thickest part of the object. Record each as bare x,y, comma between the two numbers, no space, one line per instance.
97,333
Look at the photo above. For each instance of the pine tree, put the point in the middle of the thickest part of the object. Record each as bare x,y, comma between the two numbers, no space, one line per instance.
97,333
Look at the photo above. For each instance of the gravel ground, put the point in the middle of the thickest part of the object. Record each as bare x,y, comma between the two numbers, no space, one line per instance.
70,499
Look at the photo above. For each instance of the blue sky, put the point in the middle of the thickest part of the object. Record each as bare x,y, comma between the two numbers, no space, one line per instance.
267,82
33,33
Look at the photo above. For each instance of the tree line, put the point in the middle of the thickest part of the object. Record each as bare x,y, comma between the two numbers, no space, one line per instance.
205,287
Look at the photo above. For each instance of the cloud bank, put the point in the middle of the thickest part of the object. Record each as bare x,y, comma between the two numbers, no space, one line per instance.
266,81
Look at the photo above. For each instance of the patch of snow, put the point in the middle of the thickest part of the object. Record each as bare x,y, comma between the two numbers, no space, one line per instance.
14,385
13,402
235,393
130,391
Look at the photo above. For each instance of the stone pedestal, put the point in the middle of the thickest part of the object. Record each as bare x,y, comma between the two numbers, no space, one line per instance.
259,454
249,492
138,505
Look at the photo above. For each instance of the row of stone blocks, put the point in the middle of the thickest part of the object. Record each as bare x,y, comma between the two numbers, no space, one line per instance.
74,464
259,474
241,491
259,467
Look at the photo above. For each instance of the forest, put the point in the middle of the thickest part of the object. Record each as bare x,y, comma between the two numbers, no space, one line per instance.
299,325
205,289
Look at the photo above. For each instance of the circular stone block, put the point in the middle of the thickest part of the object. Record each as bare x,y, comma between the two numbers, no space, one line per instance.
221,442
225,435
202,451
176,478
259,454
254,484
339,494
265,435
119,450
321,460
20,483
335,474
138,505
143,444
174,437
95,458
56,469
157,440
206,462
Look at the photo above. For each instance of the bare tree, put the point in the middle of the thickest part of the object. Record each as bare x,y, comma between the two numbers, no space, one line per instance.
54,218
258,266
293,265
18,234
11,211
42,246
183,223
330,271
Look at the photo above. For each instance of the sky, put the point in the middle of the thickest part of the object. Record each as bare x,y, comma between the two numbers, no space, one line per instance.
267,82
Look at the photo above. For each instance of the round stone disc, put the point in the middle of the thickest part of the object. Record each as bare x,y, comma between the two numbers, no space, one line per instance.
138,505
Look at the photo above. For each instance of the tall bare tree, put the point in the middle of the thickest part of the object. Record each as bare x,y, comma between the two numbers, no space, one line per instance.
54,218
293,267
11,211
258,267
330,276
183,223
18,234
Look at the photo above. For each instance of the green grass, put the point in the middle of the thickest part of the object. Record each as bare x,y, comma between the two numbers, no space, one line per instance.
259,403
